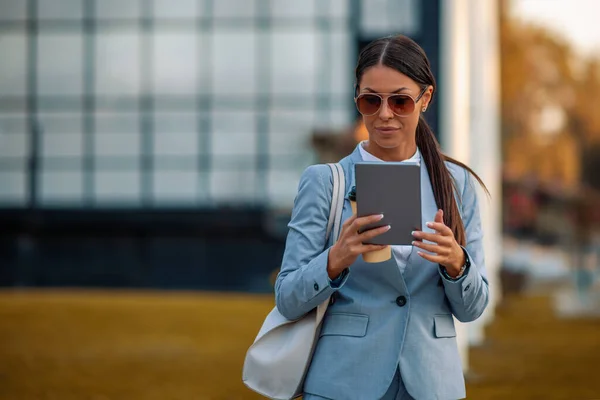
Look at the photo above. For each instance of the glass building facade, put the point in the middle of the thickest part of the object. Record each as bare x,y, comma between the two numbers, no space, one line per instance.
162,103
149,143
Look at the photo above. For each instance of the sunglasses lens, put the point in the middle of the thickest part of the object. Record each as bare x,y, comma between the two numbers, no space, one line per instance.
401,104
368,104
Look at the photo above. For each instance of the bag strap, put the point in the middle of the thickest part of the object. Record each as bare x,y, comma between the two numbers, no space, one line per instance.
335,219
337,202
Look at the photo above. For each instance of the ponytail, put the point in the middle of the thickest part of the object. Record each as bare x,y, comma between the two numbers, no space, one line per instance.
442,181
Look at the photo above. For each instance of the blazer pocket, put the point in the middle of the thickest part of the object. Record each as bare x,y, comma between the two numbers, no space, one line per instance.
345,324
444,326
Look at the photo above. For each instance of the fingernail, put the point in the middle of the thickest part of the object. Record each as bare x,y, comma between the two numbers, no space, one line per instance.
414,243
388,227
413,233
380,216
430,224
420,253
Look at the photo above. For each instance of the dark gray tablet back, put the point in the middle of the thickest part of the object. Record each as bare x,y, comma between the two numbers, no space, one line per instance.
394,190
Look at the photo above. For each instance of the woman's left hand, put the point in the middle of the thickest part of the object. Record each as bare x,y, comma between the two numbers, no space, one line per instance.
446,251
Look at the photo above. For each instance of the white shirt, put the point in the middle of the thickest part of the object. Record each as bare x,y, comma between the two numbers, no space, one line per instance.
401,253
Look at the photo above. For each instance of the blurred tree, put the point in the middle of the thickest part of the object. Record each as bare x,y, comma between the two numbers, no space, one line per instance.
549,105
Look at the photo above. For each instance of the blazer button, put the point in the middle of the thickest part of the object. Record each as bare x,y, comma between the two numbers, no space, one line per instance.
401,301
316,286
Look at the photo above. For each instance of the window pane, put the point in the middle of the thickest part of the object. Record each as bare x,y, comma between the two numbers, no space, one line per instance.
338,9
176,144
233,136
60,123
117,163
177,9
13,187
236,186
379,17
293,8
118,63
62,145
117,135
61,135
59,66
116,123
341,63
293,62
13,10
175,186
234,8
175,63
117,187
60,9
109,9
117,144
175,134
13,69
14,140
13,145
234,62
290,131
341,119
406,16
176,163
283,186
61,187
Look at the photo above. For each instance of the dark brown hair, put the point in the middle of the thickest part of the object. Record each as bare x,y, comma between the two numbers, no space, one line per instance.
407,57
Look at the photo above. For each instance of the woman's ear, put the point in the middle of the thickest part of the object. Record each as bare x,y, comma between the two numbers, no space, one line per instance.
426,98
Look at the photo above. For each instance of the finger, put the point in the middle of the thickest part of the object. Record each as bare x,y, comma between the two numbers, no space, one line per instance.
441,228
432,248
360,248
359,222
365,248
431,257
349,221
431,237
371,233
439,216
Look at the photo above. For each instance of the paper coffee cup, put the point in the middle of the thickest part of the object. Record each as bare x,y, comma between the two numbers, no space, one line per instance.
372,256
378,255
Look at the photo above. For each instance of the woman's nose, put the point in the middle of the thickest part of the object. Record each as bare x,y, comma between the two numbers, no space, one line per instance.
385,112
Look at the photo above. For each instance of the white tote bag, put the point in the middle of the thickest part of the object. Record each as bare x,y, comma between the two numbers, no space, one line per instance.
277,362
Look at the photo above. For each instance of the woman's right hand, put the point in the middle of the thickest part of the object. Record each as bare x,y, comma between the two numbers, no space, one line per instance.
351,243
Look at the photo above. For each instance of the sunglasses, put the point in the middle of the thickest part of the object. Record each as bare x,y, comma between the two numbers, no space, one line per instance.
401,105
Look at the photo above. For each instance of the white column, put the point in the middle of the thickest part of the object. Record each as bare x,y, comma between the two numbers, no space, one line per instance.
485,146
455,78
454,102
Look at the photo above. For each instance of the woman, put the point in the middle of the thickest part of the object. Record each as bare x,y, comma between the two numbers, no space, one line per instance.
388,332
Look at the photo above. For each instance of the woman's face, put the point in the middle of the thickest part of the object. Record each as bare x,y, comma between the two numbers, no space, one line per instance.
385,128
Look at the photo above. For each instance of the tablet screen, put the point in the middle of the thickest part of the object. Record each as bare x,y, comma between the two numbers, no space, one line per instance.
394,190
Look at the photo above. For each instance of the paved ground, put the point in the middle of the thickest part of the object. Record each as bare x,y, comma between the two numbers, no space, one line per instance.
68,345
531,353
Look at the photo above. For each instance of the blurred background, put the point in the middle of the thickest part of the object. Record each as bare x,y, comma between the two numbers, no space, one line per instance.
150,152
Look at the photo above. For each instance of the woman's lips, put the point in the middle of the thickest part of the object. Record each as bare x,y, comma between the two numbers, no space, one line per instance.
386,130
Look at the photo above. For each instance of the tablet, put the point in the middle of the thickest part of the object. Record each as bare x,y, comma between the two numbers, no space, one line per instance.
394,190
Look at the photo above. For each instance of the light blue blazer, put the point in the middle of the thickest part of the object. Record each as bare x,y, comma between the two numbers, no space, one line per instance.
380,319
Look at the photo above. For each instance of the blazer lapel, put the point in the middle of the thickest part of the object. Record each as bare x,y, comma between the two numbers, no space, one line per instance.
349,163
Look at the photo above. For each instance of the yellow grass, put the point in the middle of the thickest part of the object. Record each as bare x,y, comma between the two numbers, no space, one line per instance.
101,345
115,345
